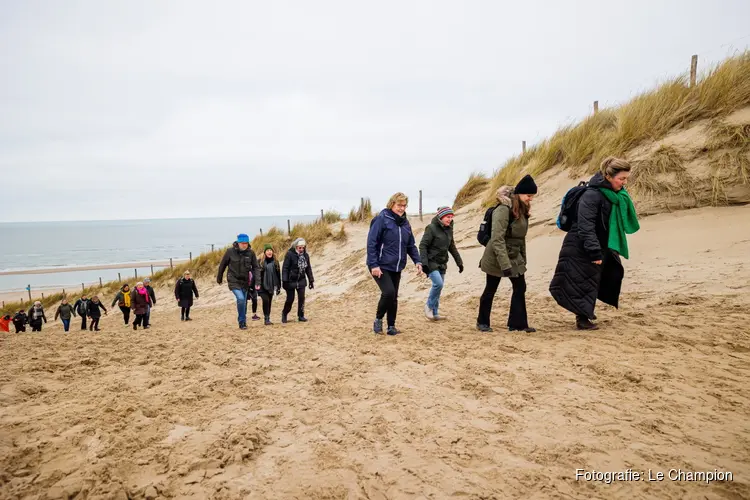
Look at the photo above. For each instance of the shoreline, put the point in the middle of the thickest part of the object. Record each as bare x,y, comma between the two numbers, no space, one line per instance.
94,267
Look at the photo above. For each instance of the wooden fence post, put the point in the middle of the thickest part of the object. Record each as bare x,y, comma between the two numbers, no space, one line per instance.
596,107
523,146
29,290
63,292
191,257
136,274
100,282
261,231
42,295
170,263
693,70
288,227
119,278
152,269
420,204
82,287
212,247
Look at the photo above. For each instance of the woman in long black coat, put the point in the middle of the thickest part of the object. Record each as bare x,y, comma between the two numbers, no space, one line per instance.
587,268
184,290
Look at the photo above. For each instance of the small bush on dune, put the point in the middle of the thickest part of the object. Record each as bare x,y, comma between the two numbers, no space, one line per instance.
363,213
331,217
476,184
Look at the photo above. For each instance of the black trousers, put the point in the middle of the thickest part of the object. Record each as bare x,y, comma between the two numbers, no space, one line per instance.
252,294
517,317
185,312
94,324
36,327
140,319
19,327
83,322
125,314
290,300
267,298
388,303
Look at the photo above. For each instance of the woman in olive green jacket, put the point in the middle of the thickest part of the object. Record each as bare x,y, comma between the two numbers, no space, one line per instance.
505,254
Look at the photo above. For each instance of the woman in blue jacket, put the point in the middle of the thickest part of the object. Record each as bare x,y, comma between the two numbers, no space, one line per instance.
389,242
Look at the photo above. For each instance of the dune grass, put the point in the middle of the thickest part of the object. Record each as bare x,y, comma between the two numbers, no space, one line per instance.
662,171
331,217
647,117
476,184
363,213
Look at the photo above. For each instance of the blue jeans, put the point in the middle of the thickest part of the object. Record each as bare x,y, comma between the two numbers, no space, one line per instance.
241,296
433,300
66,324
146,320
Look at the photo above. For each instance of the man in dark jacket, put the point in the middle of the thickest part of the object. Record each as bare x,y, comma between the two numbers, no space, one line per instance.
437,242
242,265
20,320
295,272
82,306
152,295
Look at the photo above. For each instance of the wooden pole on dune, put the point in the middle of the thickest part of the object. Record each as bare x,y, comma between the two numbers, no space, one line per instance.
596,107
322,217
170,263
63,292
82,287
212,247
288,227
119,278
29,290
100,282
152,269
191,257
693,70
261,231
136,274
523,147
420,204
42,295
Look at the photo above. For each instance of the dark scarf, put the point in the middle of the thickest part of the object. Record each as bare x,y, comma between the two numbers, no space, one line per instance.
269,276
400,219
301,263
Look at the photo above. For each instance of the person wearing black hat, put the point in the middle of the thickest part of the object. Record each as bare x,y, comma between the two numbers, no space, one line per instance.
505,254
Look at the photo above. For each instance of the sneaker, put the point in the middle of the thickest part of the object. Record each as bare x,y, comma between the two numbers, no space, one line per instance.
586,324
439,317
527,329
147,327
283,318
484,328
243,326
97,330
256,317
377,326
392,330
188,319
267,321
302,319
428,313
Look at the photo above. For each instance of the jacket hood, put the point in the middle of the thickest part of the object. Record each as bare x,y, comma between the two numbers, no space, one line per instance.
598,181
503,195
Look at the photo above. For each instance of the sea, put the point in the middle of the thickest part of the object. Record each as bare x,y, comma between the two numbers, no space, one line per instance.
65,245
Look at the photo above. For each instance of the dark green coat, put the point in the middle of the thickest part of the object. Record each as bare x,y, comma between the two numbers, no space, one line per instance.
437,241
506,251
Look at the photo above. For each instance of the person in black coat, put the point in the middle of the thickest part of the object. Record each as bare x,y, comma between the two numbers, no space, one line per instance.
20,320
82,306
295,273
36,316
243,267
270,280
94,312
184,290
587,269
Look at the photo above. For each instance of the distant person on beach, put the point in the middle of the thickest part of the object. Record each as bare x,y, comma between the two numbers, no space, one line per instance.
82,308
505,254
152,296
389,242
242,266
36,316
65,312
270,281
295,273
184,290
122,299
5,323
437,241
589,265
139,302
95,313
20,320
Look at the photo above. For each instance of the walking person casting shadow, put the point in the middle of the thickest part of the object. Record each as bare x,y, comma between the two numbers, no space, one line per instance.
505,254
122,299
437,241
243,267
295,273
184,290
589,265
270,281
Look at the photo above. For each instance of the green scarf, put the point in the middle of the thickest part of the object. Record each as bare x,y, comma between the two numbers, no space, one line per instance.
622,220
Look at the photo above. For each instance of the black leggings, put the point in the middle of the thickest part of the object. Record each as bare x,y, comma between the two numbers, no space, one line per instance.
517,314
388,304
19,328
185,312
125,314
267,298
252,294
83,322
290,300
36,327
94,324
140,319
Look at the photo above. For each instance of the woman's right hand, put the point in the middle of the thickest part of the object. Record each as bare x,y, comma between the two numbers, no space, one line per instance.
376,272
597,262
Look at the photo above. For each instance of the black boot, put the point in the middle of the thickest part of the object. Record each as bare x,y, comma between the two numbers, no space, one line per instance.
583,323
243,326
302,319
283,317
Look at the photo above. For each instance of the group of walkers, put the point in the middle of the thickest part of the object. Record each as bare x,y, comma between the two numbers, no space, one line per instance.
247,278
83,307
597,215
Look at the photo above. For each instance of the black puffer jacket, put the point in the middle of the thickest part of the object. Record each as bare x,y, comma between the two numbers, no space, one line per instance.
577,281
436,242
290,272
184,290
240,264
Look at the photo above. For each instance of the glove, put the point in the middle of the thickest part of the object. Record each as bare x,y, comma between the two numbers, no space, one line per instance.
312,285
460,269
507,272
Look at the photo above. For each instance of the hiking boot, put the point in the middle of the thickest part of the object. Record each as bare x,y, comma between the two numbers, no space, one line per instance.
585,324
377,326
302,319
283,318
188,319
528,329
484,328
392,330
428,313
256,317
182,318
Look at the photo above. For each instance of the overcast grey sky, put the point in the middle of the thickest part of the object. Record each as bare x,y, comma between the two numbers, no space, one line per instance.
148,109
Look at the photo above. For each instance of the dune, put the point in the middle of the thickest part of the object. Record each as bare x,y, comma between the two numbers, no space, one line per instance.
329,410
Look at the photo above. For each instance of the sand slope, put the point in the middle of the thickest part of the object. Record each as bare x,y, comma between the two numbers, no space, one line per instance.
328,410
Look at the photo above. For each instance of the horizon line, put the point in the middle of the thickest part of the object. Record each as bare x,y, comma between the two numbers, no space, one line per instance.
152,218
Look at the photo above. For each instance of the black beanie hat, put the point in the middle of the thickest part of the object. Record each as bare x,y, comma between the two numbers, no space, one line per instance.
525,186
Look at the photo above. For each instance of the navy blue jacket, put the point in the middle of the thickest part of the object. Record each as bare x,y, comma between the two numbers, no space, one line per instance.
388,244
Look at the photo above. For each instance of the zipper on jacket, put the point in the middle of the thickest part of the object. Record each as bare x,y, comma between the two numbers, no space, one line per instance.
381,250
399,248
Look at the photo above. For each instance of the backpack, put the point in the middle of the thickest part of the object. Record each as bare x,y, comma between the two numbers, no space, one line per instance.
485,228
569,206
83,307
